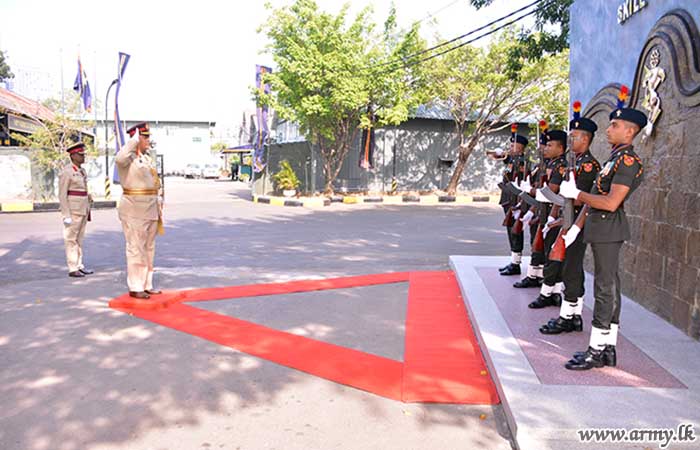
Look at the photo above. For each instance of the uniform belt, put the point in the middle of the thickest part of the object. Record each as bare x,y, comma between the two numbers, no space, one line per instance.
78,193
140,191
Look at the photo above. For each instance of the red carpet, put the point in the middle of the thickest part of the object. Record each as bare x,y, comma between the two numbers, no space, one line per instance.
443,362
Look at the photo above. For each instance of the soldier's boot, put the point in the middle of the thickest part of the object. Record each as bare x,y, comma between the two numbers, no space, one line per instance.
528,282
593,357
513,269
578,322
609,355
543,301
558,326
76,274
590,359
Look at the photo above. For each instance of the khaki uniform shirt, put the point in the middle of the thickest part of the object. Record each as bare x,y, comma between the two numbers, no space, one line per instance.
73,178
137,172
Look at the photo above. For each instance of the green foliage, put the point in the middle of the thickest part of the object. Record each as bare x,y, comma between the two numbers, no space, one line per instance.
5,72
551,33
323,83
286,178
217,147
49,141
476,86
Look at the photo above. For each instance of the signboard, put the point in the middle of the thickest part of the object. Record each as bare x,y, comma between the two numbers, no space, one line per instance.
21,124
629,8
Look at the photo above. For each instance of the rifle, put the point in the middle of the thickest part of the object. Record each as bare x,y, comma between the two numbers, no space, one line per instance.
558,252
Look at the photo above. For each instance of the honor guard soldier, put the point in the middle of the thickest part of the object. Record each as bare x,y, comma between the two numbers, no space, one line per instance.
550,292
75,204
606,228
582,131
537,178
139,209
515,172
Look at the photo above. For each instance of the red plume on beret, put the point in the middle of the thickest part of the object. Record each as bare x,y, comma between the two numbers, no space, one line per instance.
577,110
514,128
622,96
543,125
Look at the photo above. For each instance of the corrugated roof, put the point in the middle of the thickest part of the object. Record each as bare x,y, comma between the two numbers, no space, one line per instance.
21,105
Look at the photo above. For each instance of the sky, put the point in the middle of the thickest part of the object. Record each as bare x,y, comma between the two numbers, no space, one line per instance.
192,62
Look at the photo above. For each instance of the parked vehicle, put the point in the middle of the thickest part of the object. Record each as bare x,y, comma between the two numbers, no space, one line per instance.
193,171
210,171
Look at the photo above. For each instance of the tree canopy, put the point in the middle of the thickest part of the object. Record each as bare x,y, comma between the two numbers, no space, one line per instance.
5,72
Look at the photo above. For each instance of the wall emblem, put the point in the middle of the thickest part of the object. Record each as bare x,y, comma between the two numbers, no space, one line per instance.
653,77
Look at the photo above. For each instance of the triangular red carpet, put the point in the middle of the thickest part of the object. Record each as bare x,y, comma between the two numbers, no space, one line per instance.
442,360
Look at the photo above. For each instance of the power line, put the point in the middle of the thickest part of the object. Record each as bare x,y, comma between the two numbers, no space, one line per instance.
476,30
500,27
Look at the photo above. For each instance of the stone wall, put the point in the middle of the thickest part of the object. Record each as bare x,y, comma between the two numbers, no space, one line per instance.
660,265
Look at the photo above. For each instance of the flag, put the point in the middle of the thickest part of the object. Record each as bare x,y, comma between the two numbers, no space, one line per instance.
119,139
261,113
367,149
82,87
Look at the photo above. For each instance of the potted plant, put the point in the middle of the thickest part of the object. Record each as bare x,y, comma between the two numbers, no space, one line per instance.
286,179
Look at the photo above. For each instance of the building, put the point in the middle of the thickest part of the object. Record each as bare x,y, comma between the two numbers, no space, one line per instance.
181,142
418,153
653,47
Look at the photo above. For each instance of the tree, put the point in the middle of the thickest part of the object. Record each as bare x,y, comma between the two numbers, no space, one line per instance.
326,79
551,33
217,147
50,140
5,72
483,96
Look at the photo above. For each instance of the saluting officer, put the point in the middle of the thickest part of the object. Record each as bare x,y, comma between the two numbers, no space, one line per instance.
582,131
606,228
139,209
75,203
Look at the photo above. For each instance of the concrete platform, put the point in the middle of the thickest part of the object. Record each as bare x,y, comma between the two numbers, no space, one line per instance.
656,384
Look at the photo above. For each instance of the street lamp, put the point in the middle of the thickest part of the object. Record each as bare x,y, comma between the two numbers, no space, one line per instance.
107,183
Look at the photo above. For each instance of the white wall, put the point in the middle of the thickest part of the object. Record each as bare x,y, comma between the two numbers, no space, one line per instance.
15,177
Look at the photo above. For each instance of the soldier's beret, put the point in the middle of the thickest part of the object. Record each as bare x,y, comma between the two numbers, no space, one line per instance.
557,135
584,124
544,137
142,128
76,148
630,115
520,139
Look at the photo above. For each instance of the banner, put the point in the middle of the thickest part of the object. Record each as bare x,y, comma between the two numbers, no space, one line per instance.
367,149
119,139
261,114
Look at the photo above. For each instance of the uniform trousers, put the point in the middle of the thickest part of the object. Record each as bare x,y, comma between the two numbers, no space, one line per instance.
73,238
606,286
552,269
140,235
572,270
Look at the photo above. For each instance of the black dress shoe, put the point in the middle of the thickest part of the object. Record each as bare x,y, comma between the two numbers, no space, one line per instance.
578,324
139,295
514,269
76,274
543,301
590,359
558,326
87,271
505,267
609,355
153,291
528,282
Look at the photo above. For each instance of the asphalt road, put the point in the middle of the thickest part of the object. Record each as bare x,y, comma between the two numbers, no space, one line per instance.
78,375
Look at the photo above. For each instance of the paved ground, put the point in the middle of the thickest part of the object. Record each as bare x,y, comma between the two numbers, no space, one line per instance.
77,375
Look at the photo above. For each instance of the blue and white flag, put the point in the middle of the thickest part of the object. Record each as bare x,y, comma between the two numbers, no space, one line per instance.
82,87
119,138
261,113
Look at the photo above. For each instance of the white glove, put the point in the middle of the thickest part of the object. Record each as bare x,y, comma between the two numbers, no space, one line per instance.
525,185
67,221
568,188
526,218
570,235
545,228
540,197
516,214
